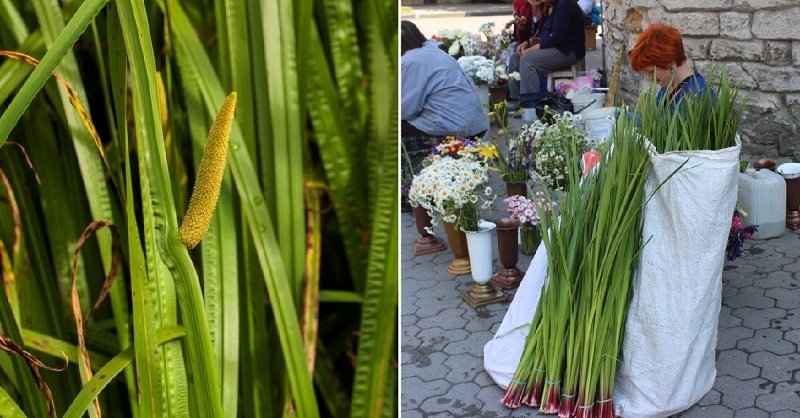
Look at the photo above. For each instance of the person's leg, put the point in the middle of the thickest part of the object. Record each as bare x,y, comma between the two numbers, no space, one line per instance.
544,61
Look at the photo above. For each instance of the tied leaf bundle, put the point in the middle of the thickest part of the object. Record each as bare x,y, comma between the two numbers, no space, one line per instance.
569,361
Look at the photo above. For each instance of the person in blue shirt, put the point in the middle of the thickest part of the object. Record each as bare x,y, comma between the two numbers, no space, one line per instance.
660,55
562,43
437,99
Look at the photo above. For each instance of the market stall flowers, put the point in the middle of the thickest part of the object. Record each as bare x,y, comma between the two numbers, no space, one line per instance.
450,190
551,143
486,72
456,42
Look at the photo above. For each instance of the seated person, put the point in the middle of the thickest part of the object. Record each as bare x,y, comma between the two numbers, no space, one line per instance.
437,98
562,44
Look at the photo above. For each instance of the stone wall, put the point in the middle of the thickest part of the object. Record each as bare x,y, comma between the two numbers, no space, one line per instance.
757,42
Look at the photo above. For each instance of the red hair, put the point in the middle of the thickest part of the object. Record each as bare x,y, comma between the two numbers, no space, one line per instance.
659,45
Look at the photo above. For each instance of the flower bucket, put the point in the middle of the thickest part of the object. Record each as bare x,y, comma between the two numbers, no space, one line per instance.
480,251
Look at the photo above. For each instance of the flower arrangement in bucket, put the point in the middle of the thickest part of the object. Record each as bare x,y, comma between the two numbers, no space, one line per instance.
516,164
738,235
525,210
477,67
550,145
448,188
501,77
456,42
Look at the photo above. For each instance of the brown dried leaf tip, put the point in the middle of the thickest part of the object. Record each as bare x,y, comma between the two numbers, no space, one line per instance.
209,177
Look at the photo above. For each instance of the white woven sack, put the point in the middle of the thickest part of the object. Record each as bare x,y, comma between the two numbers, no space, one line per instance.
668,351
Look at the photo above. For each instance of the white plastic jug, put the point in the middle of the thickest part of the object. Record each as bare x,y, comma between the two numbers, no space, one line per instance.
762,194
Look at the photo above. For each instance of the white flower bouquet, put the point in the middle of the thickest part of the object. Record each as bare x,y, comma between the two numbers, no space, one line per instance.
456,42
448,189
479,68
551,143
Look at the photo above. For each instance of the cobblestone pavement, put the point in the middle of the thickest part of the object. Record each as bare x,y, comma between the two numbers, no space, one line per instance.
758,361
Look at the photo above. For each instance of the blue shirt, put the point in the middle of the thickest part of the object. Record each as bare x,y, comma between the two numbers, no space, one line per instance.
693,84
437,96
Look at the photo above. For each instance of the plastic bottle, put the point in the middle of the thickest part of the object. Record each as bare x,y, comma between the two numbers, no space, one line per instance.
762,194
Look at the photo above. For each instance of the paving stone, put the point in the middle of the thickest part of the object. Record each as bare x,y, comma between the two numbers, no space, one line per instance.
434,338
409,335
767,340
785,396
432,307
738,394
790,322
758,318
464,368
750,413
785,298
490,398
448,319
773,367
411,284
484,319
411,414
793,336
483,379
726,319
714,411
728,338
738,279
473,344
770,264
456,395
750,296
775,279
713,397
734,363
791,267
729,291
428,367
416,391
785,414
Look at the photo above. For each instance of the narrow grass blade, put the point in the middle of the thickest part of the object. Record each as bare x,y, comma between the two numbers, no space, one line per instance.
111,369
9,408
287,150
76,26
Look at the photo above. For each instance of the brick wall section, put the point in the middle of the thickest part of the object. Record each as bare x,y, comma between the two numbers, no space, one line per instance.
756,41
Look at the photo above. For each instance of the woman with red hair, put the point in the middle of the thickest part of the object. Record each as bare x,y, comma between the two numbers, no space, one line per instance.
659,54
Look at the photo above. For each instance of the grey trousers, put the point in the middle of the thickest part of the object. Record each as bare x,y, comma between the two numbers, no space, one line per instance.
541,61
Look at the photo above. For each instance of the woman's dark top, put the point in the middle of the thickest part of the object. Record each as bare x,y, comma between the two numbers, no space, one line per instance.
563,30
